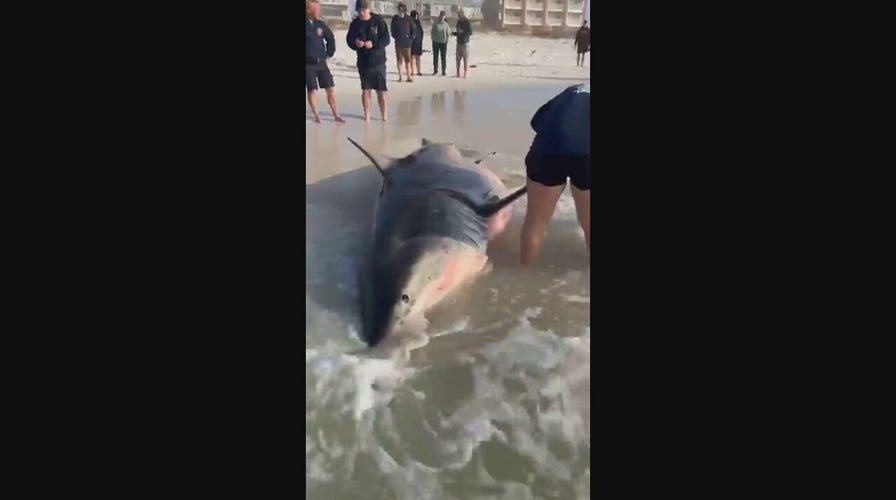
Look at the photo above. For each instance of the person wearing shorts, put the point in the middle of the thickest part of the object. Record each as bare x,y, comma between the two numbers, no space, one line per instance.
462,31
417,43
320,45
403,33
561,150
368,36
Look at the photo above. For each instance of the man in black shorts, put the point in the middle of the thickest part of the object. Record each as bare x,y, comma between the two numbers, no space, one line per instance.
320,45
561,150
368,35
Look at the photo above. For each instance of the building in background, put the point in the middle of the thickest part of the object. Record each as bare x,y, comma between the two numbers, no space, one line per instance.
542,13
495,14
341,10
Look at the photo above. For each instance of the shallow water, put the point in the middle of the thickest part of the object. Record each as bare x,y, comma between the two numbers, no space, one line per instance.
493,401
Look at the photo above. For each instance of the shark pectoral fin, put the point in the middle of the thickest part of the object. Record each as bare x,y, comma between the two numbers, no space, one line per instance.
492,207
380,162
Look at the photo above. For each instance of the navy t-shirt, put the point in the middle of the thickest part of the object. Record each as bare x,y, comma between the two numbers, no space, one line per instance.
563,124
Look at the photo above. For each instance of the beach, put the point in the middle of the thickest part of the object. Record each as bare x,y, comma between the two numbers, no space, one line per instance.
496,403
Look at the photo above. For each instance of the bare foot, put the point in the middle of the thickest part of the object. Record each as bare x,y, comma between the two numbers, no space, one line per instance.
339,119
317,119
399,79
384,118
367,118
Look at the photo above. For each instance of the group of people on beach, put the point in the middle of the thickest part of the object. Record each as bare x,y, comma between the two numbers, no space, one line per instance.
560,152
368,35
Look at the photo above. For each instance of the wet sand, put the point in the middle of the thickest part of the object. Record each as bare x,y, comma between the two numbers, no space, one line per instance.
486,119
527,71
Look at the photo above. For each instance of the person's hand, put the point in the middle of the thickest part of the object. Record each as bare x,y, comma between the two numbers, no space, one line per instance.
368,44
359,43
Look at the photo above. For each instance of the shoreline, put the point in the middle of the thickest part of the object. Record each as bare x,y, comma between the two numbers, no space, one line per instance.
502,63
500,60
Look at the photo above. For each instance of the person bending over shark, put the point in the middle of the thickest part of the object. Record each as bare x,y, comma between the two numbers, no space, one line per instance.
561,150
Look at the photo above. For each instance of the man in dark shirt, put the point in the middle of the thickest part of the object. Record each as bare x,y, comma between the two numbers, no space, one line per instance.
462,31
561,150
582,43
320,45
403,33
368,36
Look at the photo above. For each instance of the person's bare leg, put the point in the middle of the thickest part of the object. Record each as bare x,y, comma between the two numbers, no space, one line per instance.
458,66
312,101
365,102
465,67
542,200
409,68
331,100
417,62
381,100
583,211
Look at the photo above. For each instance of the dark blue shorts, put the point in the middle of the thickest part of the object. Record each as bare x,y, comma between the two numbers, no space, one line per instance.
553,170
373,77
318,74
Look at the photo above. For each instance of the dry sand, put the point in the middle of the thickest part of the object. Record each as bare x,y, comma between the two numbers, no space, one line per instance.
503,62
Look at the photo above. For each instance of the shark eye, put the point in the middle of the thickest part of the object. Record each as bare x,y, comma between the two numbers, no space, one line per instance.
405,299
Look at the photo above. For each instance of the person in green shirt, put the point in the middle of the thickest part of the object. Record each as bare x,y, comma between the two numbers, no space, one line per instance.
439,34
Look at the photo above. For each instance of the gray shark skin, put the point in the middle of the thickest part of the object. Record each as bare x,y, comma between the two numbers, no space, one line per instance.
434,216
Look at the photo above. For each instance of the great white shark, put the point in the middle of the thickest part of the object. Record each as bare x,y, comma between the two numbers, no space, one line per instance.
434,217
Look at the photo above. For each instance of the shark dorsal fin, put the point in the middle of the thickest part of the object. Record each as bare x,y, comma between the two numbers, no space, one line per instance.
380,162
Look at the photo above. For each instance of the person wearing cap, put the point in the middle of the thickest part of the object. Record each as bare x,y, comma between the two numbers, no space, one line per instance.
561,150
403,33
462,31
368,36
439,35
320,45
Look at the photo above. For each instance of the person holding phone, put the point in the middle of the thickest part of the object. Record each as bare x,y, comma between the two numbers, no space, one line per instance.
368,36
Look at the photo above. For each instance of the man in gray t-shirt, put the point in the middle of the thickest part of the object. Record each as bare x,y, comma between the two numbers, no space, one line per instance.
439,34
